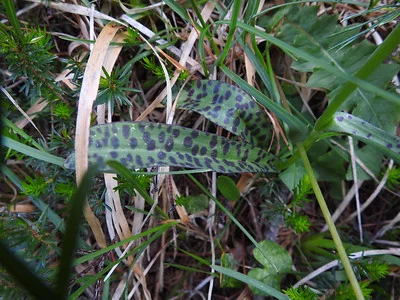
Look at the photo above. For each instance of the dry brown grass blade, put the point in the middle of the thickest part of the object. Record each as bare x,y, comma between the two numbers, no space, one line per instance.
88,94
38,106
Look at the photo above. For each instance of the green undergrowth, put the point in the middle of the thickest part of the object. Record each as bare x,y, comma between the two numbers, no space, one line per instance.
254,169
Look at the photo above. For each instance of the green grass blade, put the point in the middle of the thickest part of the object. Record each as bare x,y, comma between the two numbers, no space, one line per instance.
161,228
32,152
71,235
251,281
12,17
137,251
24,275
321,63
234,220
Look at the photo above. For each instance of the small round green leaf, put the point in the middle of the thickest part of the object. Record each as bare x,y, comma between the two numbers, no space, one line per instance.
227,187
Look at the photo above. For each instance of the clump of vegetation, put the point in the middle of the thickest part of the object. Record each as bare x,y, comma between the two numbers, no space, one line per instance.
151,150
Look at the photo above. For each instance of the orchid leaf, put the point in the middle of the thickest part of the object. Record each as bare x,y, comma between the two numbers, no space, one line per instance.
142,145
366,132
229,107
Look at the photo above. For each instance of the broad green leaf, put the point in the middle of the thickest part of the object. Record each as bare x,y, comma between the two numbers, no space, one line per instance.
229,107
366,132
276,254
265,288
227,261
268,275
227,187
371,158
265,276
324,39
143,145
193,204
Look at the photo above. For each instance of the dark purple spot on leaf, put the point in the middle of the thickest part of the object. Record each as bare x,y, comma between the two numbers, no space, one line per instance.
161,155
208,163
188,142
175,133
172,160
194,134
197,162
133,143
169,145
195,149
115,142
246,155
389,146
203,150
114,154
221,168
225,149
138,161
125,131
213,141
161,137
151,145
340,118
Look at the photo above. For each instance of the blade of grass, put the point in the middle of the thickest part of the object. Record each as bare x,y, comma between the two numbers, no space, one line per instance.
232,28
323,64
24,275
138,251
72,232
234,220
251,281
32,152
12,17
373,62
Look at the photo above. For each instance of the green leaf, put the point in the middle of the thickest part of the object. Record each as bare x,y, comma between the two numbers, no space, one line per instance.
229,107
268,275
366,132
142,145
227,261
297,129
72,232
32,152
268,290
227,187
12,17
193,204
276,254
24,275
320,37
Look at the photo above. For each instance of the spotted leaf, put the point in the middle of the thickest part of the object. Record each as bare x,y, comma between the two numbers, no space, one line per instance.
229,107
142,145
366,132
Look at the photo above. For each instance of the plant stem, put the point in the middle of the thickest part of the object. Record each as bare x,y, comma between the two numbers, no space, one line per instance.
331,225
